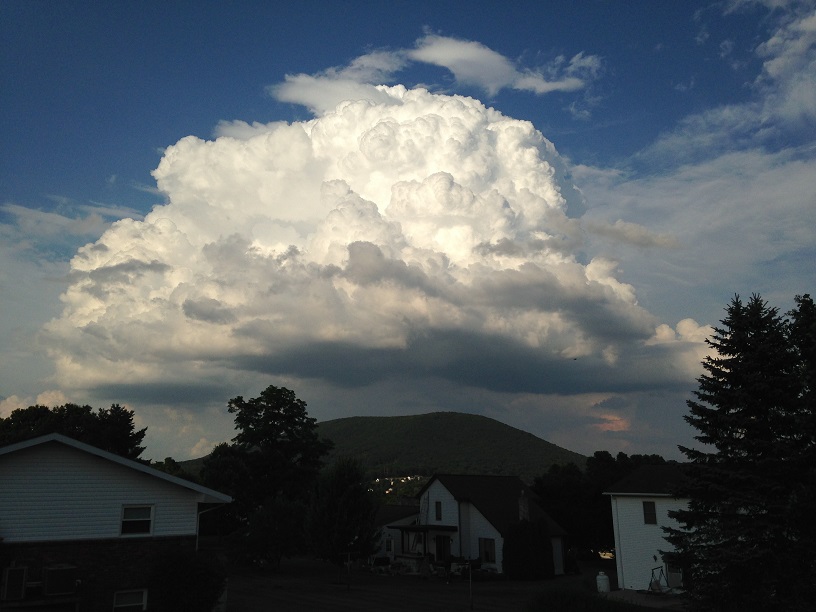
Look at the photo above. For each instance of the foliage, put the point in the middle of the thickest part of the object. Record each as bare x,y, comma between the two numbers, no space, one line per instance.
747,535
340,518
277,451
272,532
227,469
111,429
185,581
527,553
269,470
576,500
174,468
442,442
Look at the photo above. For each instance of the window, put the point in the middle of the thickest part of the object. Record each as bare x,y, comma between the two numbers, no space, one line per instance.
487,550
389,544
438,507
674,575
130,601
137,520
14,583
649,513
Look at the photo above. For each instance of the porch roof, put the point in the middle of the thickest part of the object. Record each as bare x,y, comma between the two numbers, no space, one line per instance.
424,528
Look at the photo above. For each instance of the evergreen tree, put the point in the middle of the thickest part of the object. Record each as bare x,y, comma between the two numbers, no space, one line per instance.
742,537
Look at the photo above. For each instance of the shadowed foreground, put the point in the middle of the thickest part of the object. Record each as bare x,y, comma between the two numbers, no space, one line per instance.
308,585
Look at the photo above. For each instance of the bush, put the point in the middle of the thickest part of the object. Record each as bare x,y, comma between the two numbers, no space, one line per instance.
184,581
528,553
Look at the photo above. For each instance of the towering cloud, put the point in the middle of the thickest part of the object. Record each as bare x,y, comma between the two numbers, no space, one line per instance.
424,235
398,254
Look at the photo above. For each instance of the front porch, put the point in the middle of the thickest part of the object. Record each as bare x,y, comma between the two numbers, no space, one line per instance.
423,543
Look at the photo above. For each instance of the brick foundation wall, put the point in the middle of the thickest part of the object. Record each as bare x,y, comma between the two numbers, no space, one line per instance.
103,566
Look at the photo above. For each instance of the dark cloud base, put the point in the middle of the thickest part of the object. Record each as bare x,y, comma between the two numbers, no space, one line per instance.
488,362
172,394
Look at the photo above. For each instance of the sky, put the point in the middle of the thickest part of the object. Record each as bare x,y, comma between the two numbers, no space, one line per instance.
531,211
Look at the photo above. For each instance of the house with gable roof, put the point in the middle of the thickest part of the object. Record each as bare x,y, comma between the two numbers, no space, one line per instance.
80,527
468,517
641,503
388,520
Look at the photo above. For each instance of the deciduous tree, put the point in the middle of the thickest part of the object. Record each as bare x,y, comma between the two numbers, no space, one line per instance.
272,464
111,429
340,518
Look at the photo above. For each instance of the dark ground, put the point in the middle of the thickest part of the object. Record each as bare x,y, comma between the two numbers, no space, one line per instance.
305,585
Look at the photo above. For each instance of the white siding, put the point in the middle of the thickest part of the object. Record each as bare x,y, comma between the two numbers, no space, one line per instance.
480,527
395,536
437,492
55,492
636,543
450,507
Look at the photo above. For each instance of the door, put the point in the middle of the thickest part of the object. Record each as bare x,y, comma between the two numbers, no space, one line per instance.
443,548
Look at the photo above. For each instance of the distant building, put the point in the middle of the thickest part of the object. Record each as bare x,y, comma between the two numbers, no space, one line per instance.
468,517
389,518
80,526
640,506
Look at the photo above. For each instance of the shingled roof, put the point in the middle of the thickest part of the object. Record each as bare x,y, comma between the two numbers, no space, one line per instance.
650,480
209,495
496,497
390,513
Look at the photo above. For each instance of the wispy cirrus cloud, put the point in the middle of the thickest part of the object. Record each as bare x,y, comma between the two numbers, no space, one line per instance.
471,63
781,112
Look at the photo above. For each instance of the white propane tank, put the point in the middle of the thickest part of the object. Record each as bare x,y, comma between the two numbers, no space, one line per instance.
602,581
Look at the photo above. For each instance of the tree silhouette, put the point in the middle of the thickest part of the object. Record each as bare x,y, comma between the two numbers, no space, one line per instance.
746,536
111,429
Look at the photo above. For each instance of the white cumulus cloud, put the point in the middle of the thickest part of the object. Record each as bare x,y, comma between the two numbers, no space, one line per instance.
423,235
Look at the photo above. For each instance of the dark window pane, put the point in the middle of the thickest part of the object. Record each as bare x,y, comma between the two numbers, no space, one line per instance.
649,513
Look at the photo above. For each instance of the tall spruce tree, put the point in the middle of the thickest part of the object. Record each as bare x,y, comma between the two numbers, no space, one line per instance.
744,537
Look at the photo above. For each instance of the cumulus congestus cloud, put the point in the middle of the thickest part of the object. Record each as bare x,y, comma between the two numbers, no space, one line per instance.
427,235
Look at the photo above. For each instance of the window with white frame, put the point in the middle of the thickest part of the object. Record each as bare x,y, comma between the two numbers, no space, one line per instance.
137,520
487,550
438,510
130,601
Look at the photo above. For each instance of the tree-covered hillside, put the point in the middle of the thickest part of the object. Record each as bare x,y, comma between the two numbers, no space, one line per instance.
443,442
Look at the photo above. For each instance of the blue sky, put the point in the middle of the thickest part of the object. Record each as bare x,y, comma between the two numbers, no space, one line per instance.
621,169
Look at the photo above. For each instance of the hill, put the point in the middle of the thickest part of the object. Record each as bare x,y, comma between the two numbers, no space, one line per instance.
449,442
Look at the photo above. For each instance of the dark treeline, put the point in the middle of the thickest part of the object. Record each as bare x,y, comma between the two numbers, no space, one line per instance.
111,429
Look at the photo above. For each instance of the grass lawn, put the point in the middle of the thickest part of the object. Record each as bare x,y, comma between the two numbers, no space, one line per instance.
303,585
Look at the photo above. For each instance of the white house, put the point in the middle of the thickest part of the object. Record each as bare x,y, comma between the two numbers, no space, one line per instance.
468,517
390,517
72,514
640,506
